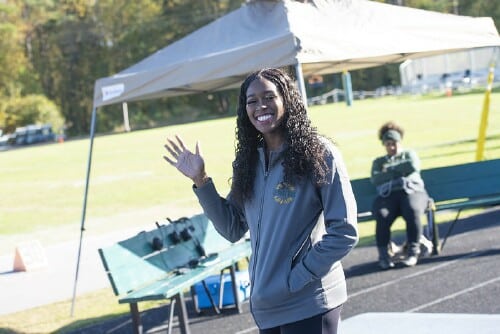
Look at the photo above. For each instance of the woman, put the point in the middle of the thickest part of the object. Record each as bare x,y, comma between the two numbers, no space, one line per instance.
401,192
290,188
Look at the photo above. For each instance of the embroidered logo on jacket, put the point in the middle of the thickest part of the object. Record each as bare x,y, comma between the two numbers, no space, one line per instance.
284,193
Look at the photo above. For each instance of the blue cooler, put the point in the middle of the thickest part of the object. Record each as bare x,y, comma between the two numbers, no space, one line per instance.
213,285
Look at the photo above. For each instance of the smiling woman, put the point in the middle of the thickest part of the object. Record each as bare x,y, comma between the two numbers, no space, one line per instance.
266,111
291,191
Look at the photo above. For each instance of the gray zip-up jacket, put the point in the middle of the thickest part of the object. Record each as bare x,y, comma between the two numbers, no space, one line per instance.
299,233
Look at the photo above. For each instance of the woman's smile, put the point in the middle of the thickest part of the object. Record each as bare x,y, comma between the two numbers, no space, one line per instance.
265,109
264,118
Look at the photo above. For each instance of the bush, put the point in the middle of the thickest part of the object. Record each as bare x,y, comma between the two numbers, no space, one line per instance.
31,109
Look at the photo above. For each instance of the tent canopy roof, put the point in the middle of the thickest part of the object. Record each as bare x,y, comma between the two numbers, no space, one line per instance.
324,36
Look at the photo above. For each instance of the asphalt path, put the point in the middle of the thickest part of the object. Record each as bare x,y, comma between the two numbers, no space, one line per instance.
463,279
57,280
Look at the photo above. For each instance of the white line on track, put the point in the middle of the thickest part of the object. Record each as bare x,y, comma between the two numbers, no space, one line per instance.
421,272
378,286
248,330
453,295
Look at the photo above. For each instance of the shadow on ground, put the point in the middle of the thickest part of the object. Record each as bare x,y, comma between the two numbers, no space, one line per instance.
360,264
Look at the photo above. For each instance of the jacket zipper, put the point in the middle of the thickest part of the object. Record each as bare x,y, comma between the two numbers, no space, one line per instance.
257,239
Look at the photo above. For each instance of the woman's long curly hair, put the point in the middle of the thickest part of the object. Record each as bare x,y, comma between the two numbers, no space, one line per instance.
304,153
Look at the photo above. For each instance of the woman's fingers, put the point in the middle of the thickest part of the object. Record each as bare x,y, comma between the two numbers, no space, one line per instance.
173,148
181,143
171,151
178,151
179,156
198,150
169,160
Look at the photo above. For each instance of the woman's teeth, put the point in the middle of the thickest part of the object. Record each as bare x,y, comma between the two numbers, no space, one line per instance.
263,118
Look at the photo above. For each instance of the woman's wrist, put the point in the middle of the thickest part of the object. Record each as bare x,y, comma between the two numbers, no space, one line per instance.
199,181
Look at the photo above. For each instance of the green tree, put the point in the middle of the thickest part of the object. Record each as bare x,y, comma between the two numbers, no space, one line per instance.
488,8
12,59
60,47
17,78
89,41
177,19
31,109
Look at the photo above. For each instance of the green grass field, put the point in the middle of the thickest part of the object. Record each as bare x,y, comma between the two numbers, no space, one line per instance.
131,185
43,186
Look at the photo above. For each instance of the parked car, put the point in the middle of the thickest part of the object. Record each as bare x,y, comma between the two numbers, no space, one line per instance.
32,134
4,140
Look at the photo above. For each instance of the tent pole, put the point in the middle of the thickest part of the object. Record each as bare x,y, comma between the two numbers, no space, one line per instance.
126,123
347,83
300,81
84,209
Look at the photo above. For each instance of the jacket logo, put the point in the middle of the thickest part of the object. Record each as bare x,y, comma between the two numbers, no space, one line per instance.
284,193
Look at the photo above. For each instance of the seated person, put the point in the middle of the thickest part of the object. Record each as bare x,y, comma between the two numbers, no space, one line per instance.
401,192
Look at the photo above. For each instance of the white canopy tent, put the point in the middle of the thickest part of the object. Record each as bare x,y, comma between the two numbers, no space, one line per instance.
322,36
319,37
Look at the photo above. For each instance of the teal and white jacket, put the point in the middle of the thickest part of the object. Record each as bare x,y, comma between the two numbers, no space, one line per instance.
299,233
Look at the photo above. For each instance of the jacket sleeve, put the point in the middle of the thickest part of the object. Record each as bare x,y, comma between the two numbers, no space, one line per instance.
341,232
381,174
227,217
409,164
405,165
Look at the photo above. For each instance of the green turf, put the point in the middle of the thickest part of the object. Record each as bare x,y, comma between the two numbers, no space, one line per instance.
42,186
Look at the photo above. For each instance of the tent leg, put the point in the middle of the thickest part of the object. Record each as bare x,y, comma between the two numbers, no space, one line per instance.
126,123
84,209
300,81
346,81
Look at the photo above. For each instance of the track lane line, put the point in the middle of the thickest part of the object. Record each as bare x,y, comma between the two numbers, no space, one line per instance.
419,273
453,295
375,287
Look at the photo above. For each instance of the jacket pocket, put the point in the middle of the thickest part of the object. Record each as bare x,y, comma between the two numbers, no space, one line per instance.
299,276
301,252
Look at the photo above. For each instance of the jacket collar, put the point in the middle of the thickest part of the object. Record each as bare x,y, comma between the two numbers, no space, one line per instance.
274,156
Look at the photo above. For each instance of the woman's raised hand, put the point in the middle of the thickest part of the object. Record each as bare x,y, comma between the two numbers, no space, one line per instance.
188,163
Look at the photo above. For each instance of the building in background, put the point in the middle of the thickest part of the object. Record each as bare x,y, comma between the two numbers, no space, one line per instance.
460,70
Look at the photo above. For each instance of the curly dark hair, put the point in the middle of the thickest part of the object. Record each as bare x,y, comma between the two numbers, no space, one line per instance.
390,126
304,153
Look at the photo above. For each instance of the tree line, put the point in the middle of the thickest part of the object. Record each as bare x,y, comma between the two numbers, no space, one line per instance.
52,51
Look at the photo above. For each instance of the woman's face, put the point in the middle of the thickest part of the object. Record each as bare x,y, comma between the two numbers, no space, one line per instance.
265,107
392,147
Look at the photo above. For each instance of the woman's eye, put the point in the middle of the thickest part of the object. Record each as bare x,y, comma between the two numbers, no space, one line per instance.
251,101
270,97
